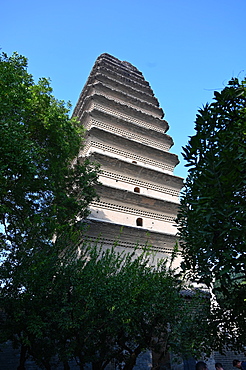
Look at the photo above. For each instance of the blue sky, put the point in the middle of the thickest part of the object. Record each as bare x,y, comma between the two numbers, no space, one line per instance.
185,49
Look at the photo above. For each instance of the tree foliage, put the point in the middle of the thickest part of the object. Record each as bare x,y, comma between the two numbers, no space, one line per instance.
212,218
40,192
44,188
104,306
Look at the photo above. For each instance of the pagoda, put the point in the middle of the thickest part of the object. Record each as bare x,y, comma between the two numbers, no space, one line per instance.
126,135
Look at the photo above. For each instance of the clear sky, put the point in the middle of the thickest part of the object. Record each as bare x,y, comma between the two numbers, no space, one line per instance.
186,49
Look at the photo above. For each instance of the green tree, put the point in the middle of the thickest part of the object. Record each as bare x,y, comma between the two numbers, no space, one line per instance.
40,191
101,307
212,218
44,188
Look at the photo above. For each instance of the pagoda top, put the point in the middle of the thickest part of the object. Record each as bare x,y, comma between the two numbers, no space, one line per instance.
118,61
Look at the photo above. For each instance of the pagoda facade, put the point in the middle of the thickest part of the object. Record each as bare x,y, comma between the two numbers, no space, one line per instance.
126,135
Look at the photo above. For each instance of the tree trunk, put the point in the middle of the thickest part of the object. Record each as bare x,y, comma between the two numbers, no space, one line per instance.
100,365
132,360
47,365
97,365
66,365
81,362
22,358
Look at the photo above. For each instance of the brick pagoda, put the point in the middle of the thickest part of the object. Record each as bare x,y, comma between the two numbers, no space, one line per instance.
126,134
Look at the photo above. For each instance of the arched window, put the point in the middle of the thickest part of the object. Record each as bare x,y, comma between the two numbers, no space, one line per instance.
139,221
136,190
134,162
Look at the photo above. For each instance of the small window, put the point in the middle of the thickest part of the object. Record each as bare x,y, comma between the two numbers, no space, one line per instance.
139,221
134,162
136,190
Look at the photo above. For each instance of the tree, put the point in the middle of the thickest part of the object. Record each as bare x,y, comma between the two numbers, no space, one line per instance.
41,192
101,307
212,218
44,188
